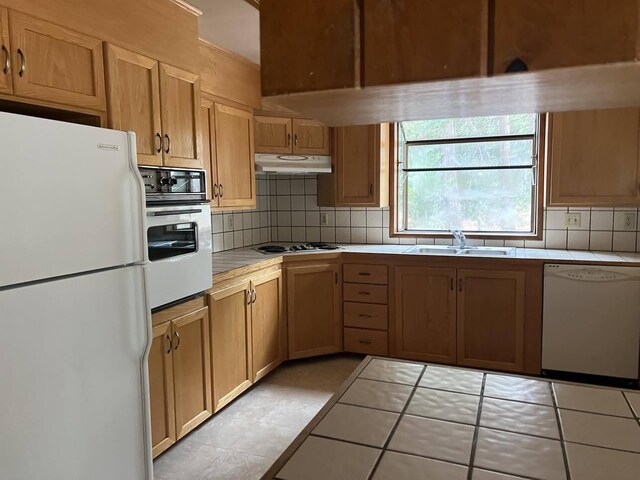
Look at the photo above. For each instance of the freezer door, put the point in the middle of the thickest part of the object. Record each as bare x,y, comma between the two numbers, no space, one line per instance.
74,403
71,199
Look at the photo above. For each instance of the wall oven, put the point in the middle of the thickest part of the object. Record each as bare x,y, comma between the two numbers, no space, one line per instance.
178,234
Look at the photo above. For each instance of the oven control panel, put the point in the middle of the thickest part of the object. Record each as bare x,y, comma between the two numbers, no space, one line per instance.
172,186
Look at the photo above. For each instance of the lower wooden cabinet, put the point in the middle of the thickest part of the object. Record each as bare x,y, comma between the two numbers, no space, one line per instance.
313,309
491,319
425,313
179,374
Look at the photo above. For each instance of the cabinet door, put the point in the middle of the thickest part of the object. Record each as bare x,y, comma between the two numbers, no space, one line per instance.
161,390
234,156
192,370
230,333
418,41
267,325
425,304
595,158
310,137
56,64
551,34
207,126
273,134
133,100
6,85
313,310
180,103
491,313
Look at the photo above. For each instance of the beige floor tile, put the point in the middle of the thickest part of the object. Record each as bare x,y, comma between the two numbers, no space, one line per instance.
185,461
373,394
452,379
292,413
634,400
592,463
221,431
601,430
234,465
357,424
516,388
265,439
323,459
589,399
398,466
517,454
433,438
487,475
519,417
452,406
390,371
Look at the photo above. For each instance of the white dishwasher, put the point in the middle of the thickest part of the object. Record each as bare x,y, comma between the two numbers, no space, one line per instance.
591,320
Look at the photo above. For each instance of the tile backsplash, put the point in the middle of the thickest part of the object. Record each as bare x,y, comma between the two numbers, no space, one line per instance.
288,212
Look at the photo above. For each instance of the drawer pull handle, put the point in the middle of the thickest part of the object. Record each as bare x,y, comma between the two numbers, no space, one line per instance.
365,315
365,342
364,293
364,274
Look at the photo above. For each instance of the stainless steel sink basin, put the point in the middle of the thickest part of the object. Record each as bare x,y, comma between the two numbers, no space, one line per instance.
467,251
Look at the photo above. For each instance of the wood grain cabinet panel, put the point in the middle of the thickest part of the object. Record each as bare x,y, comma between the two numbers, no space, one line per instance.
272,134
310,137
367,342
230,330
6,84
491,319
550,34
594,158
420,41
210,164
365,293
360,168
161,390
234,157
313,310
365,315
56,64
134,100
192,370
268,334
180,107
425,314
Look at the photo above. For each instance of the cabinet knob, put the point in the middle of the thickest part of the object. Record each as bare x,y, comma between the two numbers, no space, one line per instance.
221,190
168,145
295,139
364,342
158,143
7,61
23,64
168,340
288,139
215,191
517,65
176,335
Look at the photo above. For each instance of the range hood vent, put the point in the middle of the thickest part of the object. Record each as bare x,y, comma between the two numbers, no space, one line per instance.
292,164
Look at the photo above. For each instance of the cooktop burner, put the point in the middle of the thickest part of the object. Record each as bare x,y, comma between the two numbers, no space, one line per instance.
301,247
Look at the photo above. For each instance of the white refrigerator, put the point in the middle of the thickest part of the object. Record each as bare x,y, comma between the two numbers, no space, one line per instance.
74,322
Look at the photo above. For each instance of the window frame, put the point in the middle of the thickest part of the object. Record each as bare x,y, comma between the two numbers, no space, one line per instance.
540,141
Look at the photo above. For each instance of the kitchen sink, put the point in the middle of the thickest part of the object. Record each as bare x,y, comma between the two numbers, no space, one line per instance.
470,251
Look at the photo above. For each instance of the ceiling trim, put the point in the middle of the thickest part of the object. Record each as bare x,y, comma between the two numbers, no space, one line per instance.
254,3
188,7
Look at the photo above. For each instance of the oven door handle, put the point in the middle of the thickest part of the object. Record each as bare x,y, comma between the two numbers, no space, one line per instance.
173,212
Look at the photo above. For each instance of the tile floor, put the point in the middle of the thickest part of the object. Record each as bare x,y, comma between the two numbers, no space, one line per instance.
244,439
401,420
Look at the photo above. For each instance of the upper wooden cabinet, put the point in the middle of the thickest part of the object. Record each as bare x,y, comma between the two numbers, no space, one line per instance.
291,136
360,168
6,85
161,390
315,327
414,40
594,158
545,35
55,64
160,103
133,83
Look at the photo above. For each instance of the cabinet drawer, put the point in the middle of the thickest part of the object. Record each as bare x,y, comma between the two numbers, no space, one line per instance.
364,315
376,274
369,342
360,292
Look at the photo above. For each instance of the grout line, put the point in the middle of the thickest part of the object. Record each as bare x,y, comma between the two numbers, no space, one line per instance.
633,412
563,445
395,426
476,431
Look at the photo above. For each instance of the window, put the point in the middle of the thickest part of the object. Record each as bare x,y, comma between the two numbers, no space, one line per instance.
477,174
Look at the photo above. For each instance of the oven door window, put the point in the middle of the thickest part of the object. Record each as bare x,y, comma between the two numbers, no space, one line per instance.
166,241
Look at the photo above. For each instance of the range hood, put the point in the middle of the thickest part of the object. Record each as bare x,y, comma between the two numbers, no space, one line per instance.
292,164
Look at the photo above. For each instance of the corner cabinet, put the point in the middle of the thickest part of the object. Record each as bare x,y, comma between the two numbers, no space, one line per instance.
160,103
314,309
227,134
295,136
360,176
594,158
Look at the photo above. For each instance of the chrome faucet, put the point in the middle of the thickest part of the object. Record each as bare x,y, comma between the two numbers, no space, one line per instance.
460,238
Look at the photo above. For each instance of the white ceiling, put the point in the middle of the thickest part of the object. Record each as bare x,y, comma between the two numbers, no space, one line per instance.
231,24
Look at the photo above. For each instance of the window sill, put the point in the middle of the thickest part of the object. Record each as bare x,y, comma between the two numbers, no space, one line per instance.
471,236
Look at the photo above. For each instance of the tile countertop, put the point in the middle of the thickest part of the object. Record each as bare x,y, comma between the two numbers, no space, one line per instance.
401,420
224,262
